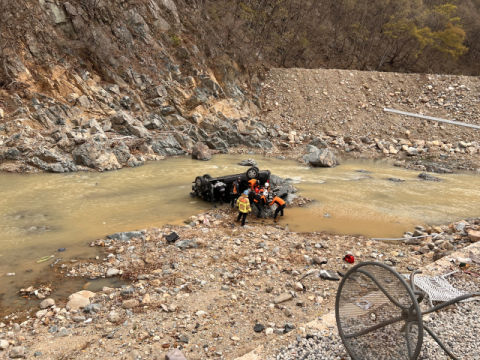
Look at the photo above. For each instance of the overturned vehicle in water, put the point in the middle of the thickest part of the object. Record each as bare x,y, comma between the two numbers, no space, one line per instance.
204,186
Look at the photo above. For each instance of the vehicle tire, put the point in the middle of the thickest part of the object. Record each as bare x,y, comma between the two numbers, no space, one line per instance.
199,182
252,173
207,176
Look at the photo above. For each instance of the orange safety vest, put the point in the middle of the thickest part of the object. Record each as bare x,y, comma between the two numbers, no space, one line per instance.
277,200
252,183
235,190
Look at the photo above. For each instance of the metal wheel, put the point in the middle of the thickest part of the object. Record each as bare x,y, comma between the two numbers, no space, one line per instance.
199,182
377,313
252,173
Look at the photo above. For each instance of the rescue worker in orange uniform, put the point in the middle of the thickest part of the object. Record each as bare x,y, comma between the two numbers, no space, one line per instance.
235,191
260,201
252,183
281,205
243,207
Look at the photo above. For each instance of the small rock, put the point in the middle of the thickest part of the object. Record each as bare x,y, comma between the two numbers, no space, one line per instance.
474,236
175,354
282,298
298,286
146,299
92,308
428,177
320,260
17,352
129,304
114,317
112,272
183,338
47,303
3,344
329,275
258,328
77,304
62,333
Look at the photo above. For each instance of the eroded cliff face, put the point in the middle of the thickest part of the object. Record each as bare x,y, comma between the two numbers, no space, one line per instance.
102,84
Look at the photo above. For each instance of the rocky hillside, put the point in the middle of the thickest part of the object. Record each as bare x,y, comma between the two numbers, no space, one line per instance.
103,84
106,84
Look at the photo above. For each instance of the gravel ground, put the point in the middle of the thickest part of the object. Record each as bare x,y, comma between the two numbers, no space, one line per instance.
457,327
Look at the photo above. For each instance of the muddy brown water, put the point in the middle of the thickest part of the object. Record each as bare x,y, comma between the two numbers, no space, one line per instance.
41,213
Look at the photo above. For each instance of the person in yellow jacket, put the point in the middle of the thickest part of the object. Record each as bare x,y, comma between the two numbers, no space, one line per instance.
243,207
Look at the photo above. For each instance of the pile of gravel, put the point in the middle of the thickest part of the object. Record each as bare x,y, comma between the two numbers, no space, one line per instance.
457,326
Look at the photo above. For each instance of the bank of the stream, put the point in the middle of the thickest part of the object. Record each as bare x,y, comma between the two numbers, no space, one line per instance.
42,213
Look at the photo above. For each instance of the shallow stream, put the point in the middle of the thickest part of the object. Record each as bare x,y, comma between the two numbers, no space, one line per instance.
41,213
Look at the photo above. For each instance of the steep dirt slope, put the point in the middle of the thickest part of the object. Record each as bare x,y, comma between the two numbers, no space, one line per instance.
352,102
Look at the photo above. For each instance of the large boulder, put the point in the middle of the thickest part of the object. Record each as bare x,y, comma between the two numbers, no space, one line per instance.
201,151
95,155
320,158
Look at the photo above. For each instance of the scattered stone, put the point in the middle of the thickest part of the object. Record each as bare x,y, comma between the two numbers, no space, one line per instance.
283,298
248,162
112,272
129,304
329,275
258,328
428,177
77,303
320,260
175,354
114,317
474,236
17,352
47,303
3,344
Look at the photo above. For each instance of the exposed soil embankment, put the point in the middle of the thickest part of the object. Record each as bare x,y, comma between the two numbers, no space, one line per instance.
343,109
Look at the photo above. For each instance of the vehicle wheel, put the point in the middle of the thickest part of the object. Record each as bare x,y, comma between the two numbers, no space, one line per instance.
252,173
199,182
207,176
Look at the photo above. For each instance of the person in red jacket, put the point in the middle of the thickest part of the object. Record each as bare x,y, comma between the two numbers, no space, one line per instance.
281,205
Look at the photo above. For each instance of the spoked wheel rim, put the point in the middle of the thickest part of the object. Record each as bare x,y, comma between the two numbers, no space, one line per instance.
378,316
252,173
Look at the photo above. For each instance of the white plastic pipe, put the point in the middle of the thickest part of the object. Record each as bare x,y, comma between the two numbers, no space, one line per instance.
431,118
